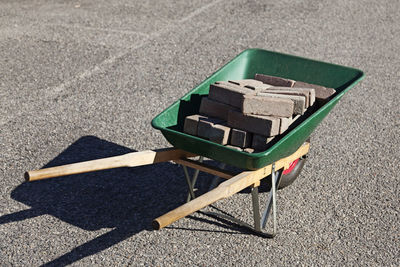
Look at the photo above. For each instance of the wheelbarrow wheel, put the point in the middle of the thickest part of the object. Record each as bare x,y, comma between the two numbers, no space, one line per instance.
290,175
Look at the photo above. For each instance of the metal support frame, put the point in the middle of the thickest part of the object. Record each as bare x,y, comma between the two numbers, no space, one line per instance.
259,222
191,182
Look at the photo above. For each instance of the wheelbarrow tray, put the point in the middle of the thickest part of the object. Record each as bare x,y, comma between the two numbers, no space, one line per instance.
245,66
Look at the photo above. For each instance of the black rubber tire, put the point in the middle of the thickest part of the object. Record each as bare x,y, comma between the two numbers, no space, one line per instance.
288,179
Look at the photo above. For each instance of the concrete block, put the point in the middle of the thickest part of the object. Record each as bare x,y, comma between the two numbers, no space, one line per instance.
264,105
234,147
310,96
299,101
251,84
191,123
294,118
219,133
230,94
264,125
260,142
240,138
275,81
204,126
224,83
322,94
215,109
249,150
203,129
311,92
285,123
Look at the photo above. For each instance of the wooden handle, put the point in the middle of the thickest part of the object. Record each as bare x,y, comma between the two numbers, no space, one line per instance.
226,189
190,207
128,160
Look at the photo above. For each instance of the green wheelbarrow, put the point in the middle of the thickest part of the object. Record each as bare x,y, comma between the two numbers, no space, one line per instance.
282,162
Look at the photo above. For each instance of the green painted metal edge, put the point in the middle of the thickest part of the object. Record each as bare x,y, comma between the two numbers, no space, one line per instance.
244,66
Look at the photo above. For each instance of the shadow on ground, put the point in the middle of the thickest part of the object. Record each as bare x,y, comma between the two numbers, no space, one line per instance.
125,199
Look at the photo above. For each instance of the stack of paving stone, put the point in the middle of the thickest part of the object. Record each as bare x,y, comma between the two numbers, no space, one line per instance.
248,114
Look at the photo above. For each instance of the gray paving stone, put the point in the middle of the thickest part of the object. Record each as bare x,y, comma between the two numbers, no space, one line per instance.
322,94
263,125
265,105
273,80
215,109
230,94
249,150
260,142
311,92
251,84
285,123
191,124
219,133
299,101
234,147
309,96
204,126
240,138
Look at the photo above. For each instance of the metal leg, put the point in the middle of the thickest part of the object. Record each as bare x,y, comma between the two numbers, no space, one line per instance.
266,212
256,208
256,214
191,182
273,189
216,179
271,203
259,224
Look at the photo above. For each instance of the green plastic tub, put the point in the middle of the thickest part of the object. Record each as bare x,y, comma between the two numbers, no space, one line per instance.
245,66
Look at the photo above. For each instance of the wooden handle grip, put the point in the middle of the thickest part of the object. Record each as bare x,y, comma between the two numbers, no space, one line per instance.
128,160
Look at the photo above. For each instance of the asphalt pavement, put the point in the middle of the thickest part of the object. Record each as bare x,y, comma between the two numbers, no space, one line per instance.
81,80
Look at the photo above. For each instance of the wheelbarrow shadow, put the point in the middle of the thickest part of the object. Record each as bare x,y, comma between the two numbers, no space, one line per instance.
124,199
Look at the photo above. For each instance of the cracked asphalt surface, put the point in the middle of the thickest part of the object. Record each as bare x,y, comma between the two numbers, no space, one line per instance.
81,80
